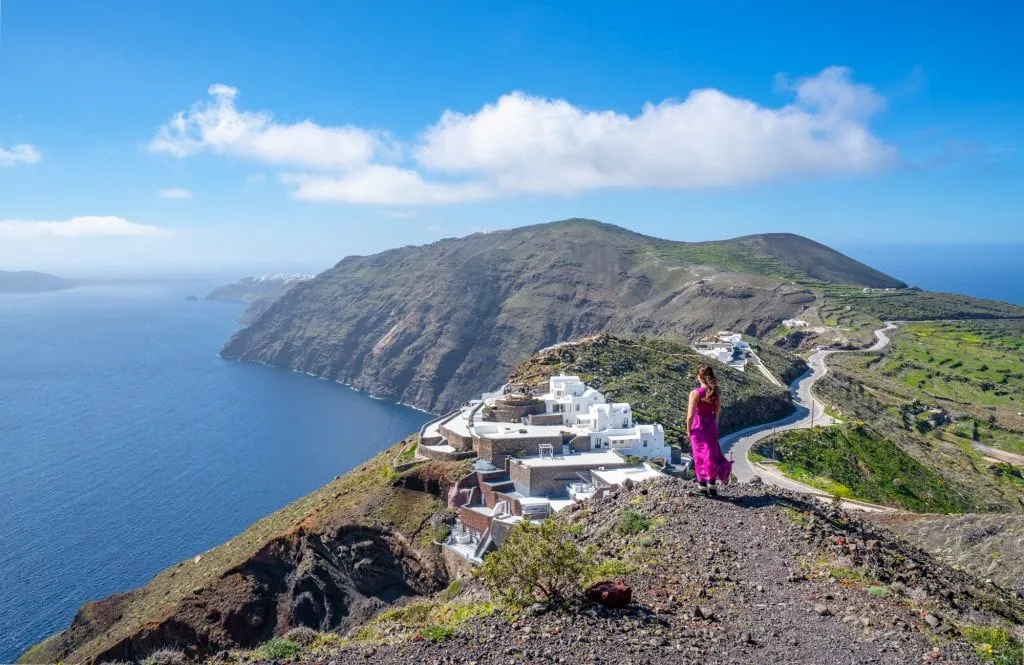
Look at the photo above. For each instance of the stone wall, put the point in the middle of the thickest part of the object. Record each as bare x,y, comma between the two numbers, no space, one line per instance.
456,566
497,451
473,520
457,441
514,413
547,419
581,443
444,455
549,481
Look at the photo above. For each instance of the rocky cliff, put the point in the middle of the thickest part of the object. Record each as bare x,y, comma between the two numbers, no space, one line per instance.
434,325
329,561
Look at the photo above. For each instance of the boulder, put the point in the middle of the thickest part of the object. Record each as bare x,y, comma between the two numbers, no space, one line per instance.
609,594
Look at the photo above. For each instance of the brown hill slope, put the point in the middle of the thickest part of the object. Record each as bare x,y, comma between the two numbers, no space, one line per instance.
329,560
758,576
436,324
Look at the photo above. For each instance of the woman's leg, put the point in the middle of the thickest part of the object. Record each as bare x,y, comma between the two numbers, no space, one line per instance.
701,459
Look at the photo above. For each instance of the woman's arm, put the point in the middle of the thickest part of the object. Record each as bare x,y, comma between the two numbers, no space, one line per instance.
689,411
718,406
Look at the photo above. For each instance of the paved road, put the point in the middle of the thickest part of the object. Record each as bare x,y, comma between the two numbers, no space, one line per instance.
738,444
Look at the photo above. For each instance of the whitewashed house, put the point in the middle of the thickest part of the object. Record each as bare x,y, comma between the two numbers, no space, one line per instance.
571,397
727,348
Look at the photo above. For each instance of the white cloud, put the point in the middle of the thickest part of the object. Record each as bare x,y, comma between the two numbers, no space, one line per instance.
256,179
399,214
78,227
21,154
218,126
522,144
176,193
381,184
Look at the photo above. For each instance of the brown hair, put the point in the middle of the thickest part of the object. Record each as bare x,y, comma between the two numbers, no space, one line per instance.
707,376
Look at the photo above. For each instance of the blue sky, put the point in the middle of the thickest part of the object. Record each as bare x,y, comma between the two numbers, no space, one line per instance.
162,135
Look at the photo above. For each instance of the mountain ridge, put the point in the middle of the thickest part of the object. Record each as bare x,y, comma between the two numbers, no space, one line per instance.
431,325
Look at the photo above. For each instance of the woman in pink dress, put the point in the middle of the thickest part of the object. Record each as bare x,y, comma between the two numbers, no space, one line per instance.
709,464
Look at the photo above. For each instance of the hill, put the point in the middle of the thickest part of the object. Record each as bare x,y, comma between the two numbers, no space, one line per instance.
758,576
257,292
781,580
432,325
32,282
656,376
934,421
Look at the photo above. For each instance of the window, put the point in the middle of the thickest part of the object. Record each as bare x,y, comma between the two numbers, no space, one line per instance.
577,407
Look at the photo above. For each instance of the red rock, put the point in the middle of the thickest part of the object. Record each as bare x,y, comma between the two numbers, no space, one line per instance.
609,594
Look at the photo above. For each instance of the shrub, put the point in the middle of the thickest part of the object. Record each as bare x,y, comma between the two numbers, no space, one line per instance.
302,635
537,560
995,644
279,648
609,569
440,532
452,590
165,657
437,633
631,522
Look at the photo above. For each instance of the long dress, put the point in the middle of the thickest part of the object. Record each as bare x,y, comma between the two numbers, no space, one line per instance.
709,463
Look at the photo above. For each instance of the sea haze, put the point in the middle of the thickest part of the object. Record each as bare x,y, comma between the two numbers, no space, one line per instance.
127,445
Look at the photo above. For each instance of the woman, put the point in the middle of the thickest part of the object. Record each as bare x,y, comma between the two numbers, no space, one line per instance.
709,463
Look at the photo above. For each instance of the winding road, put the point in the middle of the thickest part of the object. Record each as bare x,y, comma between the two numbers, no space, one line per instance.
737,445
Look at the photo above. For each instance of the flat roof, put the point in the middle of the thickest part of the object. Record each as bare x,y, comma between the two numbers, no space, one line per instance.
591,458
516,431
635,473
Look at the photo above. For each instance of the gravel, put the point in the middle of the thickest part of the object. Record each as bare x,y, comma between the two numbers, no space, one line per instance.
755,576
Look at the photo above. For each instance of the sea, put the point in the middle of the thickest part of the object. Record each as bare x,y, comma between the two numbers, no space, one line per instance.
980,270
127,444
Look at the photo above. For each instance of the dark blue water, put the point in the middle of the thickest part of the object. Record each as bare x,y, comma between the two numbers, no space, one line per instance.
984,271
127,445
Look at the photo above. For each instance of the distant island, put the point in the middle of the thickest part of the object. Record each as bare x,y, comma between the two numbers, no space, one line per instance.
257,292
26,281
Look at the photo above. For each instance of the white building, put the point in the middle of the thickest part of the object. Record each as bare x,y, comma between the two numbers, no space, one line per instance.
727,348
795,323
609,425
570,396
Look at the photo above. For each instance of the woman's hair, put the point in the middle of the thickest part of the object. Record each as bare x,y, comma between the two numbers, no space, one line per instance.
707,375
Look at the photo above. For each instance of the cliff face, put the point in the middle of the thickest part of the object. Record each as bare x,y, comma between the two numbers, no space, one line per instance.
434,325
339,555
329,561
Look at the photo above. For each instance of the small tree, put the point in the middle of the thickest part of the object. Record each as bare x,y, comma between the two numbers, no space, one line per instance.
537,561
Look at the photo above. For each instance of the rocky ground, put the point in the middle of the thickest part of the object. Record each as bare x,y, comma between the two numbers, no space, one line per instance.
990,546
754,576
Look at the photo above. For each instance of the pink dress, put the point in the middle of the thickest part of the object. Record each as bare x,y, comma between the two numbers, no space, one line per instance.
708,461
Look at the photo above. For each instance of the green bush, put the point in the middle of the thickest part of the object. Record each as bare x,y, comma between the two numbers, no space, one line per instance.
165,657
537,561
437,633
440,532
609,569
995,644
631,522
279,648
